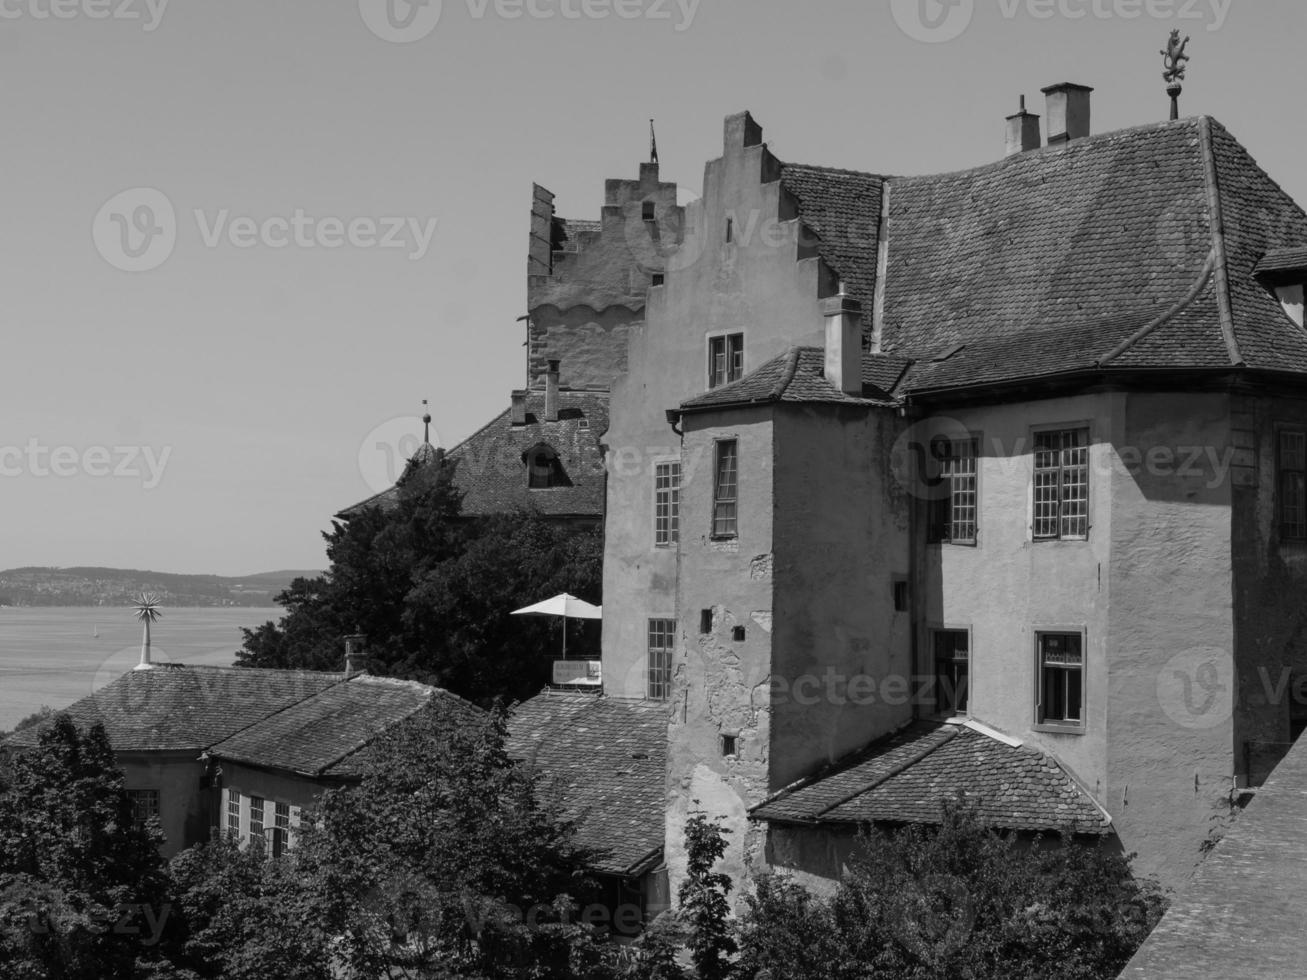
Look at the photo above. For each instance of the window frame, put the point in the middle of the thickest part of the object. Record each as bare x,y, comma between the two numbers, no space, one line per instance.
233,811
933,632
942,531
658,687
731,370
668,539
557,476
720,502
1300,537
261,832
137,797
1041,723
1061,516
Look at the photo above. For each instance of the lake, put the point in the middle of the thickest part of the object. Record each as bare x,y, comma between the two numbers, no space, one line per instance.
53,656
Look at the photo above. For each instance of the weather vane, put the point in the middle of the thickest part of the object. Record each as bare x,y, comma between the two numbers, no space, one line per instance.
1174,58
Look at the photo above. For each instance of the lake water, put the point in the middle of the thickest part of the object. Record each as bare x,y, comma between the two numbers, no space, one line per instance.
53,655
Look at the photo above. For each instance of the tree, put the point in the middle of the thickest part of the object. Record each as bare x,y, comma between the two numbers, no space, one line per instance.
82,886
703,899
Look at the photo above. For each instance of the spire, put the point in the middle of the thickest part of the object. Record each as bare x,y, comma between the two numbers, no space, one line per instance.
426,422
1174,58
653,143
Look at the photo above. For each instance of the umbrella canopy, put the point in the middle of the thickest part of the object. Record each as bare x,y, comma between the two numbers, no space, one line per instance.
568,606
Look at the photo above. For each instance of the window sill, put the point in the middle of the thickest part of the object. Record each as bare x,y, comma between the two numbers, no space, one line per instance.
1049,728
723,537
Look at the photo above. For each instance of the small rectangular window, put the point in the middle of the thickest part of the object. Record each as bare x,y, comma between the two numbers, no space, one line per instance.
1061,485
730,229
953,514
952,652
730,745
257,839
725,359
647,211
725,510
1291,485
662,644
234,812
281,831
145,805
667,504
705,621
900,596
659,278
1061,679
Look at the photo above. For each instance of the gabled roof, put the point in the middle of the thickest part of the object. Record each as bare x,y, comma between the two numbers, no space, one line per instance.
908,776
327,735
1241,913
606,758
490,471
799,376
177,708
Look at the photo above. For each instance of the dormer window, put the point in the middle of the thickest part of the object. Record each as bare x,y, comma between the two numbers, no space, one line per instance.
1284,272
544,470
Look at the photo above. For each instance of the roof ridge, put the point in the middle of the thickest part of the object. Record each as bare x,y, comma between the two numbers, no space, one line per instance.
787,375
1205,274
376,735
272,714
1223,301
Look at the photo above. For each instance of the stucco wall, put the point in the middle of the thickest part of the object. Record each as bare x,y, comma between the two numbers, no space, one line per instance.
184,803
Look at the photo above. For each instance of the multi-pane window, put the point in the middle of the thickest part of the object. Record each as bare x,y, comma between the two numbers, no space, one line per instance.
1061,484
234,812
725,359
145,804
725,503
953,513
1291,485
667,504
257,839
662,641
952,667
281,829
1061,679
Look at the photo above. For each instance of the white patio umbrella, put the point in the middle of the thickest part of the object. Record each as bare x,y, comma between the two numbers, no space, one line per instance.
567,606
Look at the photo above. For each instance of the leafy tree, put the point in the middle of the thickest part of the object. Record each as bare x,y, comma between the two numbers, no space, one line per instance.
81,884
703,899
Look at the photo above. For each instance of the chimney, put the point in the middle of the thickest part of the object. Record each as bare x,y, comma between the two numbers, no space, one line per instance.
519,408
1022,131
1068,112
844,343
551,392
355,647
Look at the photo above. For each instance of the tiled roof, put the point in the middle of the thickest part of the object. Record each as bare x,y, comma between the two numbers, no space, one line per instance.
606,757
178,708
907,777
1241,913
489,467
325,735
799,376
1283,260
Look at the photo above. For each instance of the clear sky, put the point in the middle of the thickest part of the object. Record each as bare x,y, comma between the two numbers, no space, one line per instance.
233,385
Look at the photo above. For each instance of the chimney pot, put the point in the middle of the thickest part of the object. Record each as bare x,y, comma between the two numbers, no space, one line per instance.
844,343
355,653
1067,106
1022,131
519,408
551,392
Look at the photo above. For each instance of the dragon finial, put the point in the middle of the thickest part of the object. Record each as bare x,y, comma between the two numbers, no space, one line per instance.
1174,57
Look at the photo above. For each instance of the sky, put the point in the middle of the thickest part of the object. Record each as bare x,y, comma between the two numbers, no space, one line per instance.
243,240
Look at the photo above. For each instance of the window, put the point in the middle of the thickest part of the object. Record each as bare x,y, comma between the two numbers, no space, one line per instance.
647,211
724,502
662,640
725,359
705,620
543,469
257,839
659,278
1061,679
953,515
145,804
730,229
738,634
667,504
281,831
900,596
1061,484
234,812
1291,485
952,649
730,745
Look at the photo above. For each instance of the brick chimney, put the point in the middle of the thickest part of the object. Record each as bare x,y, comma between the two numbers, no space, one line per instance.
355,654
844,343
551,392
1022,131
1067,107
519,408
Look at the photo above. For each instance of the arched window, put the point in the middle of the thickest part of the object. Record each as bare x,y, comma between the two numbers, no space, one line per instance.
544,469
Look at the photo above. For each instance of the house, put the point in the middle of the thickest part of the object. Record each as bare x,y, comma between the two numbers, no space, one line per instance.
1015,454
